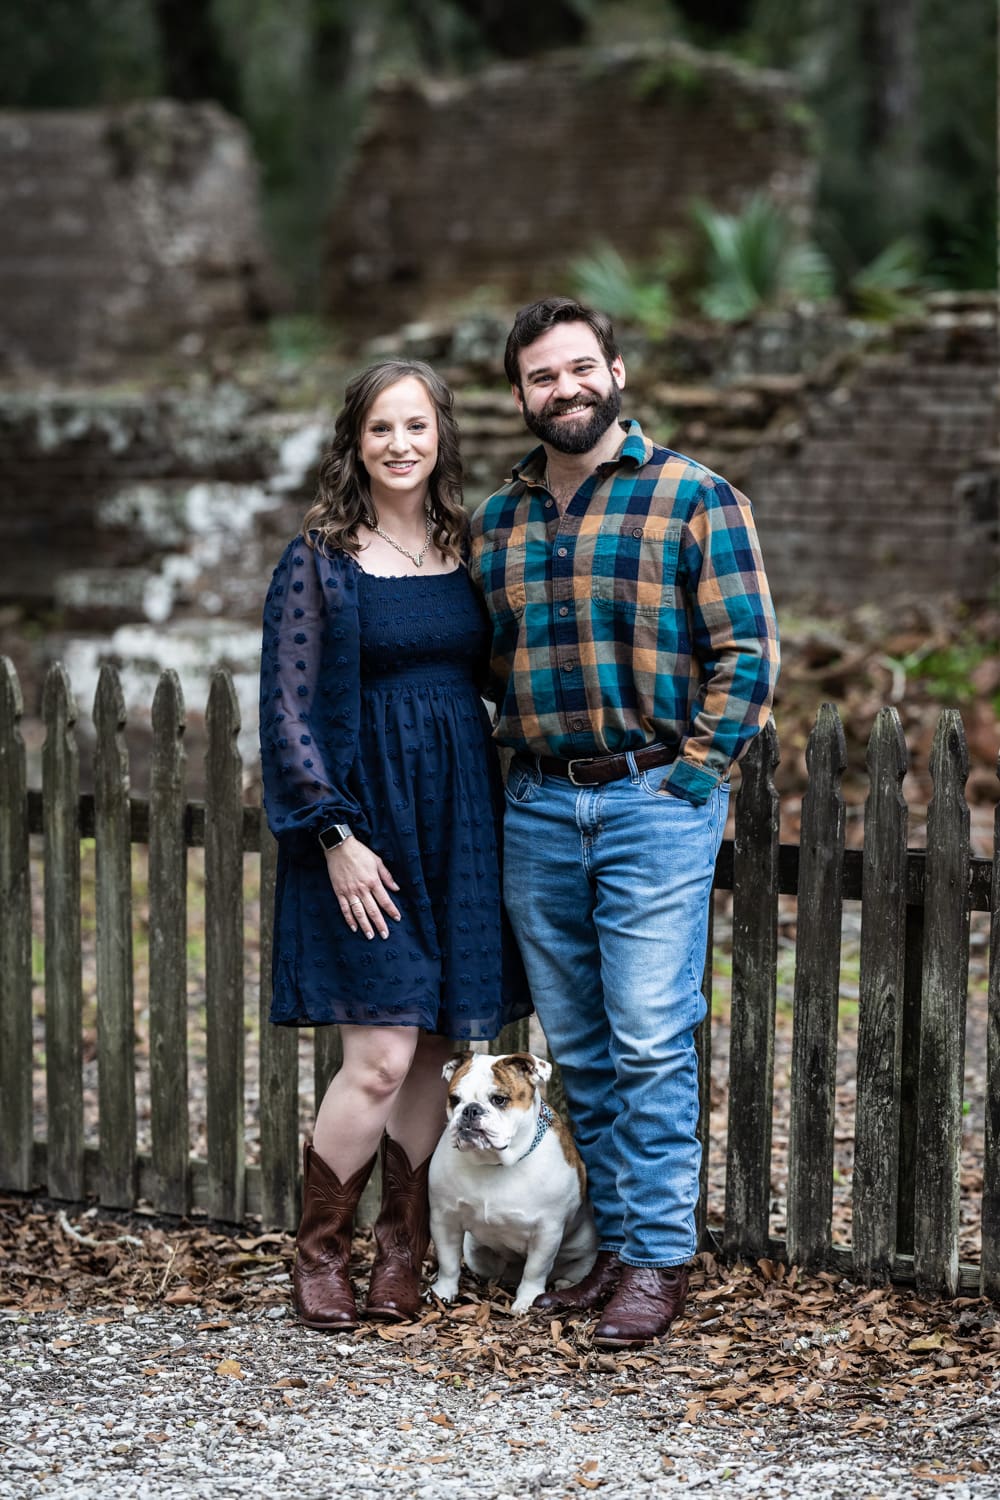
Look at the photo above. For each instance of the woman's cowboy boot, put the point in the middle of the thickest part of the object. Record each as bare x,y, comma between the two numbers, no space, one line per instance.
402,1234
323,1294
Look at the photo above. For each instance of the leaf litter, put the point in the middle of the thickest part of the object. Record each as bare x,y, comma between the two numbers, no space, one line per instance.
753,1336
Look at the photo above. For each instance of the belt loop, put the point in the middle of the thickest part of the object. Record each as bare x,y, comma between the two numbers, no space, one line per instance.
634,772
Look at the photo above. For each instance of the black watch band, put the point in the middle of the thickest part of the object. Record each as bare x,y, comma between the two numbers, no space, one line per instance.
334,836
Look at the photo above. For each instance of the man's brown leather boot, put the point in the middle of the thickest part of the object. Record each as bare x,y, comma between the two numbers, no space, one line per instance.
402,1234
593,1291
647,1301
324,1297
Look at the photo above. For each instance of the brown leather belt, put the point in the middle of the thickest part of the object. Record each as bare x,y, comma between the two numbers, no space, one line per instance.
601,768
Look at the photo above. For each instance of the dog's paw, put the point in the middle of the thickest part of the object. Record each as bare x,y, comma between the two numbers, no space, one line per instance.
522,1303
444,1289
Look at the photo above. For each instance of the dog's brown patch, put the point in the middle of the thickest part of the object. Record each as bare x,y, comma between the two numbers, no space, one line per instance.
515,1075
569,1150
463,1061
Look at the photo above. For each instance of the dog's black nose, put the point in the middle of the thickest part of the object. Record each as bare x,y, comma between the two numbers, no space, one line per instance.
472,1111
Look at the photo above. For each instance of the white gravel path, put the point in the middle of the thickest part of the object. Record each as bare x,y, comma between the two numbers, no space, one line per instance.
147,1406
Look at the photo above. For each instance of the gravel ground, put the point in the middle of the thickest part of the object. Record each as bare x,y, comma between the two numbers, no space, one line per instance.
164,1403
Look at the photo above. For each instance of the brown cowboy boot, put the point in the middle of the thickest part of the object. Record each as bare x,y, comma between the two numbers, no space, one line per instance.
593,1291
402,1234
647,1301
324,1297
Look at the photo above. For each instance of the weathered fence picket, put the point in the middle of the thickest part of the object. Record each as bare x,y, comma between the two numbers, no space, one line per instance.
915,915
63,967
990,1267
751,1042
279,1075
816,995
224,954
113,904
16,1124
942,1014
880,1003
168,1060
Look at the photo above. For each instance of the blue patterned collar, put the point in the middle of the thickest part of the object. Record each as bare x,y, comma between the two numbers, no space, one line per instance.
545,1118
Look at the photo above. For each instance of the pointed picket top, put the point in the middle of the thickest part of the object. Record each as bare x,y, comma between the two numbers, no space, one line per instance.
827,747
887,759
11,700
223,712
58,703
949,761
109,701
169,715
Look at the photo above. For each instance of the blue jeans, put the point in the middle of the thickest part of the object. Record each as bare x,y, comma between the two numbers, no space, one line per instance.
608,889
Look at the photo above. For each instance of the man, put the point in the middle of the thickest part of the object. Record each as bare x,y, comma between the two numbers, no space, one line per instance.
635,652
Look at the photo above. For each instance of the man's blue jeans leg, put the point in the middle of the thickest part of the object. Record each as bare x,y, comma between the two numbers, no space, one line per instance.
608,888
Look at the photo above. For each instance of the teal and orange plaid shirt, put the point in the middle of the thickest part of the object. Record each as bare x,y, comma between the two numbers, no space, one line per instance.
641,616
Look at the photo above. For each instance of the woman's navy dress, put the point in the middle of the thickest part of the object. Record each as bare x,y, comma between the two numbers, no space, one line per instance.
371,716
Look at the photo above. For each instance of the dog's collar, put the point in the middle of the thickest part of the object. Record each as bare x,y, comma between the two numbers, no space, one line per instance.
545,1118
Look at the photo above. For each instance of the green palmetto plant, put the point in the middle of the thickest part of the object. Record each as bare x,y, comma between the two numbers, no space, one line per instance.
891,285
756,260
604,279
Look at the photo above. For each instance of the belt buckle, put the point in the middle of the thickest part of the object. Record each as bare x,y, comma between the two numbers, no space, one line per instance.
582,760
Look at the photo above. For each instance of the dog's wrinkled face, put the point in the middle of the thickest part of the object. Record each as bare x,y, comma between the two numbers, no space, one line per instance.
489,1097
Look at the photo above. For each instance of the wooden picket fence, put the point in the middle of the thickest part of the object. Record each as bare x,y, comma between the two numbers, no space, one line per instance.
915,915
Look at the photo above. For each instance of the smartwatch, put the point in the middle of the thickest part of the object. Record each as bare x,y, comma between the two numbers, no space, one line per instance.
334,836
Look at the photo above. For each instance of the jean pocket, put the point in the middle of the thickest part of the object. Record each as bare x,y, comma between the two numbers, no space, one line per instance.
655,784
520,785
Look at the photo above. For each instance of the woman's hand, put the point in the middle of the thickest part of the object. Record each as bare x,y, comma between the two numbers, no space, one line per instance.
361,883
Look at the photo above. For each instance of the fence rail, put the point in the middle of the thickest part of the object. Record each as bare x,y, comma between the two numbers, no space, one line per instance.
914,955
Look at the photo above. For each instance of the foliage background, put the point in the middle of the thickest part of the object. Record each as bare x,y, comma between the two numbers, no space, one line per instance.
903,93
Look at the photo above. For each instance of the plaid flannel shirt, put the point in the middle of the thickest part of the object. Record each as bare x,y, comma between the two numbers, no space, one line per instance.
640,616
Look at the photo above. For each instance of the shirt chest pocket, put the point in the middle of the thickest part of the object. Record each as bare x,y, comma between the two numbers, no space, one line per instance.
635,564
499,571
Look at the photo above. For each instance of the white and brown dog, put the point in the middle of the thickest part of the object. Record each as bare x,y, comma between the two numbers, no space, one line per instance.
507,1180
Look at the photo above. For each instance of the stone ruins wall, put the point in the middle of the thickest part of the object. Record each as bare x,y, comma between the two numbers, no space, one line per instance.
497,181
124,232
884,481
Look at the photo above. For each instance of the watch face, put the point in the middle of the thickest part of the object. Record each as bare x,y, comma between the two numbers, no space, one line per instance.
334,836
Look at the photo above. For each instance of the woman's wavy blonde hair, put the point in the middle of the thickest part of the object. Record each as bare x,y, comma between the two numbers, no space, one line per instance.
343,499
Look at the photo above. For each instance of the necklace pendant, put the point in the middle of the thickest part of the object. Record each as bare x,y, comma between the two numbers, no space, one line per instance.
419,560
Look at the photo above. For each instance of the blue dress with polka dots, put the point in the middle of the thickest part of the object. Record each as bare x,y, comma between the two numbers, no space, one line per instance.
371,716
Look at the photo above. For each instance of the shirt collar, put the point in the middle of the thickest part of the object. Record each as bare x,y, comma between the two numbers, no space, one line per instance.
635,450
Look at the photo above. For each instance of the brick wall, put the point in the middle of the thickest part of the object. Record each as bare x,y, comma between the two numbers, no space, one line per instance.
124,232
884,480
498,180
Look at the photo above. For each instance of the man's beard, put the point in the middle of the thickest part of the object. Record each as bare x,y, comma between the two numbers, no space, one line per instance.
579,436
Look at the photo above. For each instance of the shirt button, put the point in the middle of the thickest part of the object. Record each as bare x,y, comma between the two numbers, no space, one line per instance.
563,610
637,531
562,552
549,503
576,724
568,666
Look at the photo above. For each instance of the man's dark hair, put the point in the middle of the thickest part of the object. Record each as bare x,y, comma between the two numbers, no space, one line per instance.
538,317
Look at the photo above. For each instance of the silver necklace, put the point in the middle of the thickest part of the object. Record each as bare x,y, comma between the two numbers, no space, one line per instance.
416,558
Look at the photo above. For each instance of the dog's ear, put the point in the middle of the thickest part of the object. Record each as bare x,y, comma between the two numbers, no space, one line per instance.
453,1064
537,1069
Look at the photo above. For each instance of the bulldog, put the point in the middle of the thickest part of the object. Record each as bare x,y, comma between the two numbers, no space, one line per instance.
507,1186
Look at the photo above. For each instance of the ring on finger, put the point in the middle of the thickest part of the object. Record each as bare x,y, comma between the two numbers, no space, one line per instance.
357,904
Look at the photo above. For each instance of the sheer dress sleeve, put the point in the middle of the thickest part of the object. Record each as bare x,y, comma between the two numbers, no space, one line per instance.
310,697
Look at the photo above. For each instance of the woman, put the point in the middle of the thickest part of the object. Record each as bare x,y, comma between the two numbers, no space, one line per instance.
382,787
